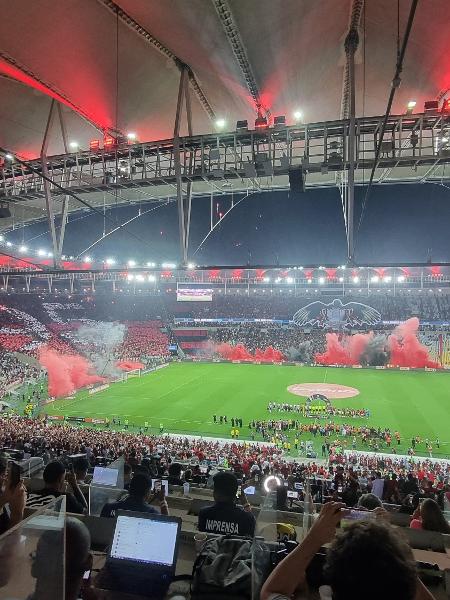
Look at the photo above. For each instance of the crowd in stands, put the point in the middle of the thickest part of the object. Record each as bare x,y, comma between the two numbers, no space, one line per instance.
12,371
143,339
420,489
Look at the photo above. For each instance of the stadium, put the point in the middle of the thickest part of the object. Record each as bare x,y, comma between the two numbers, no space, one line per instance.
224,256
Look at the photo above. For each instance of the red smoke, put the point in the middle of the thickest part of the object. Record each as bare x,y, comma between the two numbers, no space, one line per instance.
129,365
240,352
405,348
66,373
336,353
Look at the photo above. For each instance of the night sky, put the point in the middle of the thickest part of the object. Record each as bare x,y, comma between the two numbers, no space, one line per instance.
402,223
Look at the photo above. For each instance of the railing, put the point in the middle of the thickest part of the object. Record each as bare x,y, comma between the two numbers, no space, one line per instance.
412,149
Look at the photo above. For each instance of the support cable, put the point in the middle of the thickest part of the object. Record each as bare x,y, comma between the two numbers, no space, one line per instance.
395,84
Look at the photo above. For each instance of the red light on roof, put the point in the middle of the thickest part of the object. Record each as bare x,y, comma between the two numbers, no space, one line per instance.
331,273
94,145
237,273
214,273
261,122
108,142
446,105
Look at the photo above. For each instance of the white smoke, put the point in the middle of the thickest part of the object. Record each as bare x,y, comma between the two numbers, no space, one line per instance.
100,341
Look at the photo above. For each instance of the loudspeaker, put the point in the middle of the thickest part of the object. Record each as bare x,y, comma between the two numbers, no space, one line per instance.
5,213
297,180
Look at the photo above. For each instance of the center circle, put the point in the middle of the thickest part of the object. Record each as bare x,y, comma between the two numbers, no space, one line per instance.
330,390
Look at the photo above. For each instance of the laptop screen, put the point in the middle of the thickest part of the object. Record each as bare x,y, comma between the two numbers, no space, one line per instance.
105,476
144,540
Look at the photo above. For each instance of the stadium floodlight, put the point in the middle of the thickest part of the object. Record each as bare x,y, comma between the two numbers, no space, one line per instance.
169,265
110,261
150,264
73,145
289,280
50,255
9,157
410,106
309,280
277,280
374,279
139,278
343,267
356,279
220,123
387,279
42,252
131,263
152,277
132,136
266,279
300,268
400,279
130,276
321,280
298,115
23,249
87,259
9,244
191,266
439,290
341,280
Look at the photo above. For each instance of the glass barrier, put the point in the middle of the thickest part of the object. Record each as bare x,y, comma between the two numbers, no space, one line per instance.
32,556
285,516
106,486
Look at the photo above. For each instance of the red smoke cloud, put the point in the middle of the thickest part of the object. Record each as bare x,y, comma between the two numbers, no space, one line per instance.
336,353
129,365
66,373
405,348
240,352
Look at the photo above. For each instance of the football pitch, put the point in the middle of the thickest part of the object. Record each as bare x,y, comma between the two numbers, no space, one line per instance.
183,397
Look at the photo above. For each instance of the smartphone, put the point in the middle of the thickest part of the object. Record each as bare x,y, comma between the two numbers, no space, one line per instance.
157,483
239,491
292,494
356,515
298,486
16,472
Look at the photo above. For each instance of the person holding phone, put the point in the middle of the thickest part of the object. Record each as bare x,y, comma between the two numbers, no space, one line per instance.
13,495
367,560
140,498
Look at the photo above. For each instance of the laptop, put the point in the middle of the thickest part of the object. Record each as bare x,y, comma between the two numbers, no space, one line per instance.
105,476
143,555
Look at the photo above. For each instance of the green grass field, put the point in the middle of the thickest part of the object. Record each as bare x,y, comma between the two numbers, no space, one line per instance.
184,397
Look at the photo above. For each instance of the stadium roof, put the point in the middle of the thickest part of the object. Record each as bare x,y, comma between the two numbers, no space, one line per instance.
115,67
117,79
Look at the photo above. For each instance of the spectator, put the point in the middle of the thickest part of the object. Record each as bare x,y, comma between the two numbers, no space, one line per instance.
175,474
369,502
47,566
139,498
224,516
378,485
367,560
127,475
80,469
12,501
429,516
282,503
55,485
